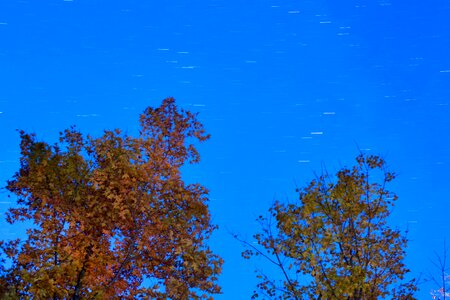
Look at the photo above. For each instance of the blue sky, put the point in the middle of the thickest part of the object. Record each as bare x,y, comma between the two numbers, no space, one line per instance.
284,87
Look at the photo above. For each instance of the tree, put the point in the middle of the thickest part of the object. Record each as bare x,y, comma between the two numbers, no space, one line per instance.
334,242
443,279
112,216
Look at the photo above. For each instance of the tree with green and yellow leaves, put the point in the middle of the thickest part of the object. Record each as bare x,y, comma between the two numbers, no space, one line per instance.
335,242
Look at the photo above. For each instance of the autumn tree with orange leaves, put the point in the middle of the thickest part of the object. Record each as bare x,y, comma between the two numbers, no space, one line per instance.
334,242
112,216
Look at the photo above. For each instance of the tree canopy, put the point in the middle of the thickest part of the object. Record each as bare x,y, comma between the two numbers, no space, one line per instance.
112,216
335,242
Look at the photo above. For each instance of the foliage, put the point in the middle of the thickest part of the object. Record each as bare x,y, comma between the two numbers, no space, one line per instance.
112,216
335,243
